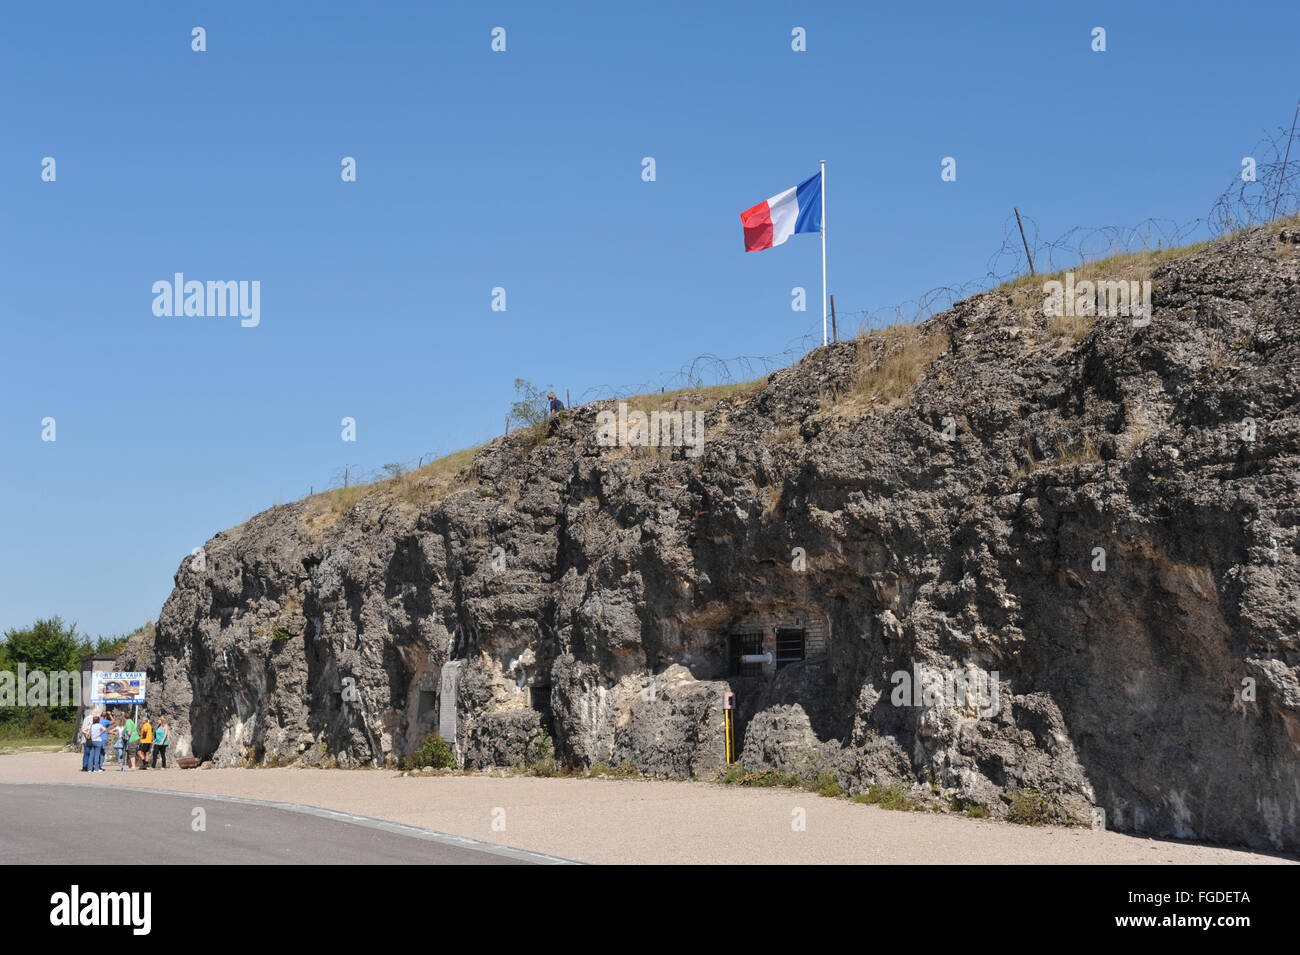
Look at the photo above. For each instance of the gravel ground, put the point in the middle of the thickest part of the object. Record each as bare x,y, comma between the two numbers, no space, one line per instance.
627,821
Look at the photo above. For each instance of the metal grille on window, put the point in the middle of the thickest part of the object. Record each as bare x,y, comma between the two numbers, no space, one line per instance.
790,646
744,644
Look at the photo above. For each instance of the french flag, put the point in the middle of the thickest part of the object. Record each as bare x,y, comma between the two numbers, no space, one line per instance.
798,209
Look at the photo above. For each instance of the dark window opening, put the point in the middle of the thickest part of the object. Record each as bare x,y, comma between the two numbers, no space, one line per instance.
540,697
744,644
428,704
790,646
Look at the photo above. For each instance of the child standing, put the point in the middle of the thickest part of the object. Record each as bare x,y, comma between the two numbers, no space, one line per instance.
120,745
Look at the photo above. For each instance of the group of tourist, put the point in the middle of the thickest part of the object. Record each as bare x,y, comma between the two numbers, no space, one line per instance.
134,743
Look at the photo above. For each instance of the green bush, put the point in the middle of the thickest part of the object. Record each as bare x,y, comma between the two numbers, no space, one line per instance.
826,785
736,775
894,796
732,775
39,725
1029,807
967,807
434,752
541,756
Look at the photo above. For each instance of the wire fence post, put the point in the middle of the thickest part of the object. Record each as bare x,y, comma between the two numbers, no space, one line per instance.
1024,241
1281,180
835,332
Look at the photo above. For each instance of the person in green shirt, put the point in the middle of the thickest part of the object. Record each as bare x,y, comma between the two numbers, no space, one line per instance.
132,736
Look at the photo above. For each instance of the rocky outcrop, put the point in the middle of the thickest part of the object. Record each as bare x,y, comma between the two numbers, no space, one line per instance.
1094,522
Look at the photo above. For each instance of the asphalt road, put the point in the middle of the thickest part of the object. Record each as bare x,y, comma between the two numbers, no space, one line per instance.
99,825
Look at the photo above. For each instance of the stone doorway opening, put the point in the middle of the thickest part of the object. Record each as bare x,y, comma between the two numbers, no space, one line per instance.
539,697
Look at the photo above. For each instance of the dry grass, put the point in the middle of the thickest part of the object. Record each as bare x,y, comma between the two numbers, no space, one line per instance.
1071,328
692,399
1135,438
1120,266
891,361
789,434
419,487
1031,463
1074,452
718,398
1289,223
1025,294
438,478
1080,452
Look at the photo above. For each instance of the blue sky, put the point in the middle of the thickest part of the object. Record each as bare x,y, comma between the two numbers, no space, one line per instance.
520,170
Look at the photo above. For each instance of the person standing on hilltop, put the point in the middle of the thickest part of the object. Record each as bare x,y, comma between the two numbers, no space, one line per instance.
554,416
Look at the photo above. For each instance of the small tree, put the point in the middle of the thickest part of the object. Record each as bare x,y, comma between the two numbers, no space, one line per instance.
531,407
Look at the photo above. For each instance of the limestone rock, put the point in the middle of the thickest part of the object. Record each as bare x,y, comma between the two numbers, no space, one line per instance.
1100,523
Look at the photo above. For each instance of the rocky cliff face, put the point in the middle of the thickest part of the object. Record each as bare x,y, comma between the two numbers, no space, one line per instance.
1094,520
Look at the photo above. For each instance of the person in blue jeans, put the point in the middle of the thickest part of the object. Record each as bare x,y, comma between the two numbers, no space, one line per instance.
120,745
98,735
107,723
84,736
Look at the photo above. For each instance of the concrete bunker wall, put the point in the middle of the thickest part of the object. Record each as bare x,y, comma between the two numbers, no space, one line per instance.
774,629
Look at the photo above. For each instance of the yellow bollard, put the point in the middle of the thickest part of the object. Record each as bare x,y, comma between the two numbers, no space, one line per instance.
728,709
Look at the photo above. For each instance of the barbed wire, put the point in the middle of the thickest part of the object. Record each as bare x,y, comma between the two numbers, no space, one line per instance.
1272,192
356,475
707,369
1267,188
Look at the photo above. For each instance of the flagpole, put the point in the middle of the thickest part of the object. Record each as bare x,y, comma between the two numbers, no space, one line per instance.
823,192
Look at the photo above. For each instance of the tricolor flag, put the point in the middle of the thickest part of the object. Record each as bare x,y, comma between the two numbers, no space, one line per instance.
798,209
